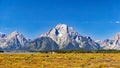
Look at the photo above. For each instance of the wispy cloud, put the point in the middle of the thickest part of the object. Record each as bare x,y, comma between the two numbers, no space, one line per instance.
117,22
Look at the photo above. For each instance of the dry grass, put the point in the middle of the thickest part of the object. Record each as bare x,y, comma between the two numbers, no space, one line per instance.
70,60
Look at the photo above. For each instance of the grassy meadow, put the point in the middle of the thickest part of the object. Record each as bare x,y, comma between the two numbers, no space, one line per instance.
68,60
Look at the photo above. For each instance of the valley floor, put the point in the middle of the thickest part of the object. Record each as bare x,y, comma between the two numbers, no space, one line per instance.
68,60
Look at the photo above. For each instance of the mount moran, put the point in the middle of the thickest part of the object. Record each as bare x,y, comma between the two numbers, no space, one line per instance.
61,37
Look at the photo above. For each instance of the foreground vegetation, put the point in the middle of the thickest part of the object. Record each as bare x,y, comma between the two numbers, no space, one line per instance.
60,60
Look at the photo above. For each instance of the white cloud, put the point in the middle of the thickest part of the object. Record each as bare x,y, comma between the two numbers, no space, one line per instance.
117,22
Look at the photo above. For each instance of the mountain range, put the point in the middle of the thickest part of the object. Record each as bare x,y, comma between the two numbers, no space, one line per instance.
61,37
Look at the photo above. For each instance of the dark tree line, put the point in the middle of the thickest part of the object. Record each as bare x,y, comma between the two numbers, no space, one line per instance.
80,51
67,51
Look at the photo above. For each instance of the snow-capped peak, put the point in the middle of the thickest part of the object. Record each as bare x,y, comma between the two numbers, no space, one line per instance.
65,37
15,40
59,26
117,36
111,43
15,33
63,29
3,35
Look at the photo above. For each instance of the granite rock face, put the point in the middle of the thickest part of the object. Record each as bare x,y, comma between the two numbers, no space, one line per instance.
13,41
69,39
113,43
42,44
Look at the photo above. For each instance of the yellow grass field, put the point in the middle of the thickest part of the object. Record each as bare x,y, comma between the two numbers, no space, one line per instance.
69,60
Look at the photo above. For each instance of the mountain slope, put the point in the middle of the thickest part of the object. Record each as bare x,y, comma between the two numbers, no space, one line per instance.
13,41
113,43
69,39
42,44
3,37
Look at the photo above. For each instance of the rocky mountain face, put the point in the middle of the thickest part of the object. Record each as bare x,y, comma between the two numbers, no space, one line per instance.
113,43
3,38
13,41
61,37
42,44
69,39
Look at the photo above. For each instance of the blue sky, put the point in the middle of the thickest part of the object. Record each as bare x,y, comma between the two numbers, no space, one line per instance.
99,19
